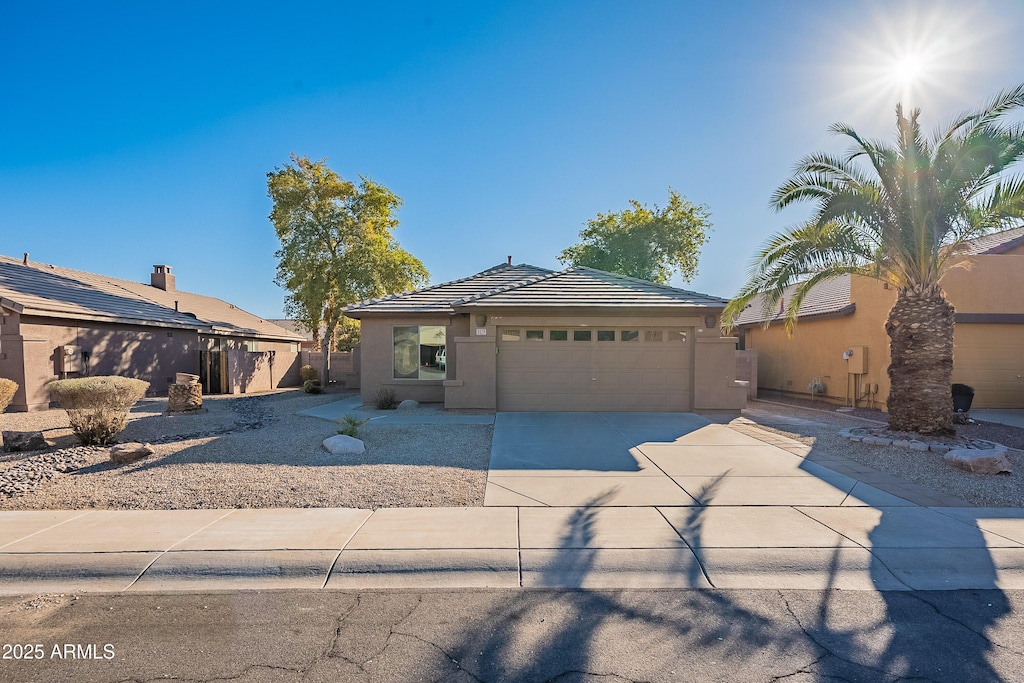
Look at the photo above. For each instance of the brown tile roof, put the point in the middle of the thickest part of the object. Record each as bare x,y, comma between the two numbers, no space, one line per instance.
829,298
579,286
439,298
997,242
55,292
530,286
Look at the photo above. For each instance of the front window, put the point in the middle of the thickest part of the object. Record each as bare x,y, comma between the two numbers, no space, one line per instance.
419,352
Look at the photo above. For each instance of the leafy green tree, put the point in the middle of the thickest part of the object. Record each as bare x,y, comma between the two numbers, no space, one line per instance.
649,244
337,245
901,213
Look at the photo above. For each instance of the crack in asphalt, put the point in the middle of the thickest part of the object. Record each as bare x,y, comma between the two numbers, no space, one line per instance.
570,672
828,651
965,626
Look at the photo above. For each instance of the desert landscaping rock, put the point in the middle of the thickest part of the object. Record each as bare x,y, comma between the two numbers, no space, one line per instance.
124,453
253,452
28,474
16,442
343,444
408,404
988,461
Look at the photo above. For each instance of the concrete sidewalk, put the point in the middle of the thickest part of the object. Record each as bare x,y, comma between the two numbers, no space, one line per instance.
581,500
427,414
852,548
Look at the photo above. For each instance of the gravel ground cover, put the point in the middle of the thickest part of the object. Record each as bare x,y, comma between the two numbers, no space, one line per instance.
926,468
247,452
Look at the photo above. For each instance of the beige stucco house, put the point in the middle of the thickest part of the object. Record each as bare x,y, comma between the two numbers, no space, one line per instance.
840,340
520,337
57,323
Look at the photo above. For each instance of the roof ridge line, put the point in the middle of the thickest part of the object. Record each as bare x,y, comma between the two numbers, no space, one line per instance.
399,295
640,281
507,288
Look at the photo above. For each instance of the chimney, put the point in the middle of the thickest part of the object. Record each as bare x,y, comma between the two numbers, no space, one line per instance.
510,260
161,278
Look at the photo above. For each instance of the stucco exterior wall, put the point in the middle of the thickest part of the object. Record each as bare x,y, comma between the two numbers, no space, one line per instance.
987,356
272,366
150,354
377,361
714,375
816,348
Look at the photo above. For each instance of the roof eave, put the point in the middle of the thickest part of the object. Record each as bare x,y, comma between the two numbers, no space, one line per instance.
847,310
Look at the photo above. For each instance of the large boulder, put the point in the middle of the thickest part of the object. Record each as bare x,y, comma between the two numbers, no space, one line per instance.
344,445
24,441
980,461
124,453
408,404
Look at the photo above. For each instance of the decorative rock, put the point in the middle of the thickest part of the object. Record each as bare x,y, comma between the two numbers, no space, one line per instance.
988,461
408,404
939,448
124,453
185,378
344,445
24,441
877,441
184,398
918,446
902,443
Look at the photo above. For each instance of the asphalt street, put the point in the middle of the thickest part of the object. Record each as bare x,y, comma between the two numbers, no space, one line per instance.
515,635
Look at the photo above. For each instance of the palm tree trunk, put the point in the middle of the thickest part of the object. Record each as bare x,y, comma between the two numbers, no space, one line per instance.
920,329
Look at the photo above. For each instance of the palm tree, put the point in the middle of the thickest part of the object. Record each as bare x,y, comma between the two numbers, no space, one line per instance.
901,213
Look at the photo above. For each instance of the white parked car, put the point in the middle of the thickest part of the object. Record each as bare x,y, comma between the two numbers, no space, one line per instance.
440,359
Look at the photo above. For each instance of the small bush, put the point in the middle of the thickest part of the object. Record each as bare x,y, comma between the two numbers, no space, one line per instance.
350,425
312,386
98,406
308,372
7,389
385,399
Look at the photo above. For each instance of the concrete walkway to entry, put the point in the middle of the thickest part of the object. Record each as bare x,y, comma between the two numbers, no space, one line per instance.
581,500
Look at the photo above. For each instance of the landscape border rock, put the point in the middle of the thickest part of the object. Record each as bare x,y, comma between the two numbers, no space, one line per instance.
408,404
973,455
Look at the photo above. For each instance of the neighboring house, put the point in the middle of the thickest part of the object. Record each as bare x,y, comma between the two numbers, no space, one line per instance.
57,323
527,338
307,343
848,315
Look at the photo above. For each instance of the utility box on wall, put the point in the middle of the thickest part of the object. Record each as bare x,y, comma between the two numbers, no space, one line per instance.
857,364
69,358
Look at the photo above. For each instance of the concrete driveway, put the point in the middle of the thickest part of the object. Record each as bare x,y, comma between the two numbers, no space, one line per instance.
656,459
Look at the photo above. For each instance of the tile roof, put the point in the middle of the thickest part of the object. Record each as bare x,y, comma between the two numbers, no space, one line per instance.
997,242
526,285
831,298
55,292
439,298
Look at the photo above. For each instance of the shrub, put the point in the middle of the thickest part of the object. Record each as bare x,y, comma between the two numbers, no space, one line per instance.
308,372
98,406
312,386
7,389
350,425
385,399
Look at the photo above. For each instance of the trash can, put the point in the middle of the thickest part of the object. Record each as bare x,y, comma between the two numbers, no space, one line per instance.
963,396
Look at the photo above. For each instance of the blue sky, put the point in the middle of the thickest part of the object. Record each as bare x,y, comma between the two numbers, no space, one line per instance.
140,133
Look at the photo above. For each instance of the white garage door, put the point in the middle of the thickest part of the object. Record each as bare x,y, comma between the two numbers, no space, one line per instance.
595,368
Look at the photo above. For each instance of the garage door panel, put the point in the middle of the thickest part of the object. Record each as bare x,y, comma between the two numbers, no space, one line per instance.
570,375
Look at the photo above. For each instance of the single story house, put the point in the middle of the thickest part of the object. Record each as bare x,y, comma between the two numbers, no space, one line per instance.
840,346
57,323
523,338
